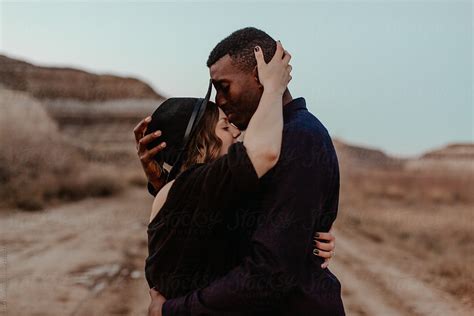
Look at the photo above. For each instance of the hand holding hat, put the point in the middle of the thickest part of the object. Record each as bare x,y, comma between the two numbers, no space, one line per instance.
154,172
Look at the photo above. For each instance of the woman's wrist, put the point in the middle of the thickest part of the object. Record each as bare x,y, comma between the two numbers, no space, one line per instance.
273,92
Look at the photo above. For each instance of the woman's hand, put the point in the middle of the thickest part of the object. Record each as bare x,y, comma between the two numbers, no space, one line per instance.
324,244
153,170
275,75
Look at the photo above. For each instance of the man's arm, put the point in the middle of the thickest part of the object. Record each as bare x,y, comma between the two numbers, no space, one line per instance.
281,244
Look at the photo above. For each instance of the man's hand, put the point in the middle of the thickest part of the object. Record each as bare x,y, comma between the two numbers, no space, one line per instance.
156,305
152,169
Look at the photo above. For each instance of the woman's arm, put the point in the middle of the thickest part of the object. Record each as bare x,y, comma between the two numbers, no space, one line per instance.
160,199
264,133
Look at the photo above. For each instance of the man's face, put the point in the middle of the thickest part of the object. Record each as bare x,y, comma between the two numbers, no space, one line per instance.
238,92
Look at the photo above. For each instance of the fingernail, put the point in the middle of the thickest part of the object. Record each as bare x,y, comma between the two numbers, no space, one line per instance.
316,235
148,119
157,133
315,251
163,145
257,48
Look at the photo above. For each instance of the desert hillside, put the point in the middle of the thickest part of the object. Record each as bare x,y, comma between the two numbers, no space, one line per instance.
452,151
362,157
52,83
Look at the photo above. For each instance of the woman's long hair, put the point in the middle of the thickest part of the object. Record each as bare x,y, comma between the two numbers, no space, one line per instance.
204,146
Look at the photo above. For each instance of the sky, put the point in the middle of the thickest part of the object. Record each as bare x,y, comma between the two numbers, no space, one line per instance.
394,75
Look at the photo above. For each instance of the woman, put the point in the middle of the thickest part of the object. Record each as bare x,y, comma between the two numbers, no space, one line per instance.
195,234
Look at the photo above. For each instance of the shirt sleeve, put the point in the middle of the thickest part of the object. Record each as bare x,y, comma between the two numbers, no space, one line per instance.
221,183
282,243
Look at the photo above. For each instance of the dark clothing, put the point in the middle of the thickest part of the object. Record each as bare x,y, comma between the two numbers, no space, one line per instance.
192,240
278,273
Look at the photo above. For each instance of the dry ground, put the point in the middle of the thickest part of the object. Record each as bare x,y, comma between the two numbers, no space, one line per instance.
87,258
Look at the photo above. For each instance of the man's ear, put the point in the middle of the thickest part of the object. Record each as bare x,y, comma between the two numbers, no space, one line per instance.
255,76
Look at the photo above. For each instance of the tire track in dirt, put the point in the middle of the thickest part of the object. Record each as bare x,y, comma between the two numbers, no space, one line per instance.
64,258
87,258
374,285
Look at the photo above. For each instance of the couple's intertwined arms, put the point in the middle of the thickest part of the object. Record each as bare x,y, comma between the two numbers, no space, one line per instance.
293,207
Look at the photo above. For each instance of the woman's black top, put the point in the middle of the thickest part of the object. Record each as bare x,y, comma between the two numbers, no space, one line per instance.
193,239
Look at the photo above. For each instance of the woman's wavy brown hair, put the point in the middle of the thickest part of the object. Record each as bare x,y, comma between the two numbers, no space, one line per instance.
204,146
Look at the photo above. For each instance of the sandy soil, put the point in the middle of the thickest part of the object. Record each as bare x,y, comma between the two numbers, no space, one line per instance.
374,283
87,258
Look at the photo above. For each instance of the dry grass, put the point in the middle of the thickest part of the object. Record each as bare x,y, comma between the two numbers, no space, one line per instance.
426,214
422,186
37,164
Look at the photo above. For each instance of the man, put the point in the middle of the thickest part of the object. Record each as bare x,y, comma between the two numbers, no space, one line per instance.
278,274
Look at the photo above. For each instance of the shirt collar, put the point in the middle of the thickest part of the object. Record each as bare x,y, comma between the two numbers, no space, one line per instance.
294,105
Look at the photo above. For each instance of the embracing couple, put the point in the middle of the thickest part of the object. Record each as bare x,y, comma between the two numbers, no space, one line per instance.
246,190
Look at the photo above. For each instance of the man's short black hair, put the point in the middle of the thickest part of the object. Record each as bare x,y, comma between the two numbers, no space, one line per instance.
240,46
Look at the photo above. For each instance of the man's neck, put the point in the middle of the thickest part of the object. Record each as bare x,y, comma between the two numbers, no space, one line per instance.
287,98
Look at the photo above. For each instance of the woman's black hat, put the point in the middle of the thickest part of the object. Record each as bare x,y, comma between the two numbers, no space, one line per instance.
177,119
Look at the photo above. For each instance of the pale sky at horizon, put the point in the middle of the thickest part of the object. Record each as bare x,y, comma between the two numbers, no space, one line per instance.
393,75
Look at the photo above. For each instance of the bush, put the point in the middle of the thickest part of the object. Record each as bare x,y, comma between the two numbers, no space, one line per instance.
38,164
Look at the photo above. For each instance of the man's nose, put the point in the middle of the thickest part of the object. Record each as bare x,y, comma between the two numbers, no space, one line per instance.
235,131
220,100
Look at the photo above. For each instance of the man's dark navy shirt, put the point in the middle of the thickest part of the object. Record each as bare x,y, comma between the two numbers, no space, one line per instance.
279,274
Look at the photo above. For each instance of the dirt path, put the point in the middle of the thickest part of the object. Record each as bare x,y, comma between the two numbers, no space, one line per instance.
87,258
374,282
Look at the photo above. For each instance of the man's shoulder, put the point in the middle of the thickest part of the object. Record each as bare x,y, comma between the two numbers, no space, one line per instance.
305,127
305,138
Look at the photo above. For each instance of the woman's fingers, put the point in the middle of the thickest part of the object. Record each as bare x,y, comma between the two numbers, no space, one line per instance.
140,129
279,51
286,57
325,236
145,140
259,56
324,246
323,254
155,150
324,243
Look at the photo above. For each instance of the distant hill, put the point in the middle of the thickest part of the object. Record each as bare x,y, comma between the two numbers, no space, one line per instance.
452,151
361,157
68,83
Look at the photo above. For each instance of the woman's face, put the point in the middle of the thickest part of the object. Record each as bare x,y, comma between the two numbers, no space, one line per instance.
226,132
